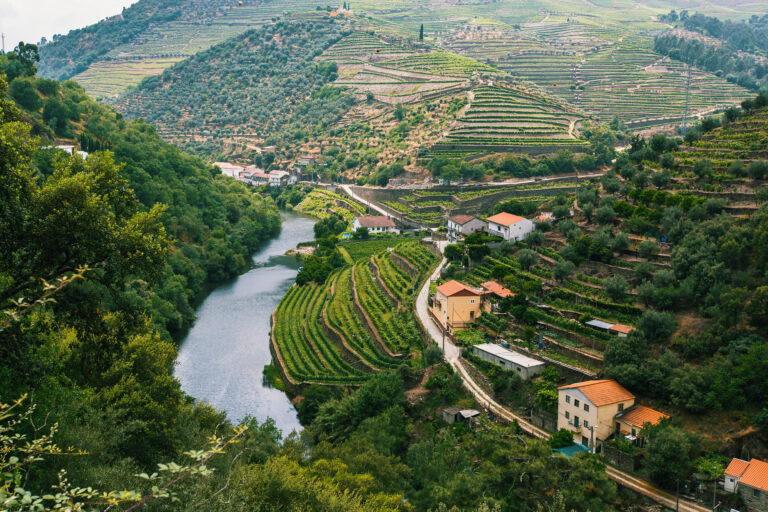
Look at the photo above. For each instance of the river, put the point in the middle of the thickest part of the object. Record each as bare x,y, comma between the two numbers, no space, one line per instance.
222,359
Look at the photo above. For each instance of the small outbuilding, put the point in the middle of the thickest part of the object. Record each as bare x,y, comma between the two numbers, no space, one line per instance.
524,366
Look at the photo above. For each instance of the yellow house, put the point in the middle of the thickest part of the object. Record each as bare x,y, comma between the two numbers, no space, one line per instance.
588,409
456,305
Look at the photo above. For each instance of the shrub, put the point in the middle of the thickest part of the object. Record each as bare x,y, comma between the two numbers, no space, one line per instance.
433,355
561,438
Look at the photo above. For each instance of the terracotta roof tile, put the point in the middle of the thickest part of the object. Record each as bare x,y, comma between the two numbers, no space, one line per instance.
462,219
505,219
626,329
640,415
602,392
496,288
736,468
756,475
453,287
375,221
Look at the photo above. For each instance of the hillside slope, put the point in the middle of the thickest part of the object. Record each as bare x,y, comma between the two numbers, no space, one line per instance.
253,90
215,222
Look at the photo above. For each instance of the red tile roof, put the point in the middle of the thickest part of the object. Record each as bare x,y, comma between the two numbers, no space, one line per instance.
454,287
505,219
641,415
497,289
462,219
602,392
626,329
756,475
375,221
736,468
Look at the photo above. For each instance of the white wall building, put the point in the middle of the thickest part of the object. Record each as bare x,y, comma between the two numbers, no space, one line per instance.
375,224
509,227
524,366
228,169
278,178
463,225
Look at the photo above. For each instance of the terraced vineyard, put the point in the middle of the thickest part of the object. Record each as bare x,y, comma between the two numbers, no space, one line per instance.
305,352
501,117
108,78
341,331
602,70
322,203
743,141
393,73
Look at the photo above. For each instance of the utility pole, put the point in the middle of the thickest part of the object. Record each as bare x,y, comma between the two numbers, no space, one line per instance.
3,42
677,496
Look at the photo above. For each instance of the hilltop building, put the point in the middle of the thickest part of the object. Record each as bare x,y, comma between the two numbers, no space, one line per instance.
509,227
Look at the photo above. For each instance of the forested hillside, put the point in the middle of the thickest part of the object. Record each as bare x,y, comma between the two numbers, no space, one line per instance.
259,88
214,223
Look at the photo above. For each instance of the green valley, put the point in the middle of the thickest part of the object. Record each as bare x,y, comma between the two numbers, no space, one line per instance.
481,256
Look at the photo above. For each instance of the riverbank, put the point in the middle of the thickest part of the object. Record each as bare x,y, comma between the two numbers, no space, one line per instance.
222,358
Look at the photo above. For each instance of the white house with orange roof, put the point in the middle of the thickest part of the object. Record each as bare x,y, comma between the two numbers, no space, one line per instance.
750,480
456,305
588,409
509,227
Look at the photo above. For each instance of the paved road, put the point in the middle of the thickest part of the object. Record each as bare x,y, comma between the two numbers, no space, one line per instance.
348,190
452,355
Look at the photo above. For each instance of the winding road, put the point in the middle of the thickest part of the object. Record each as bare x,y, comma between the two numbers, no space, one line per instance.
452,355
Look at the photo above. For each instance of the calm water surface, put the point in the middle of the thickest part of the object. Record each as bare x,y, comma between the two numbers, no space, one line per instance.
222,358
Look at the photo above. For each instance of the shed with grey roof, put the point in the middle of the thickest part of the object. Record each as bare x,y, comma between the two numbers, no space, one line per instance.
524,366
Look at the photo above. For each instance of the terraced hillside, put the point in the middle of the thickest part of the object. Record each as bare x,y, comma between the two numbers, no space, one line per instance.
744,141
603,70
140,41
394,73
230,96
505,118
357,322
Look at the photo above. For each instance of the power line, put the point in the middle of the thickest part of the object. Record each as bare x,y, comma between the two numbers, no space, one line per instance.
687,98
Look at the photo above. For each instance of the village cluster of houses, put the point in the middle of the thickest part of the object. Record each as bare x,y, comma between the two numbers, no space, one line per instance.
254,176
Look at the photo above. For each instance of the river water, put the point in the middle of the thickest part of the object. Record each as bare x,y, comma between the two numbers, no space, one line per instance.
222,359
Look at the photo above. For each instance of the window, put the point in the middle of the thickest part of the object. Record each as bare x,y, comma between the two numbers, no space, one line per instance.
567,415
621,407
567,399
586,407
586,424
576,402
471,315
576,421
757,493
634,432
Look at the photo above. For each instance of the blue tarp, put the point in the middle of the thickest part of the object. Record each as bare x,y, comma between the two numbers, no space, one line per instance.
570,451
